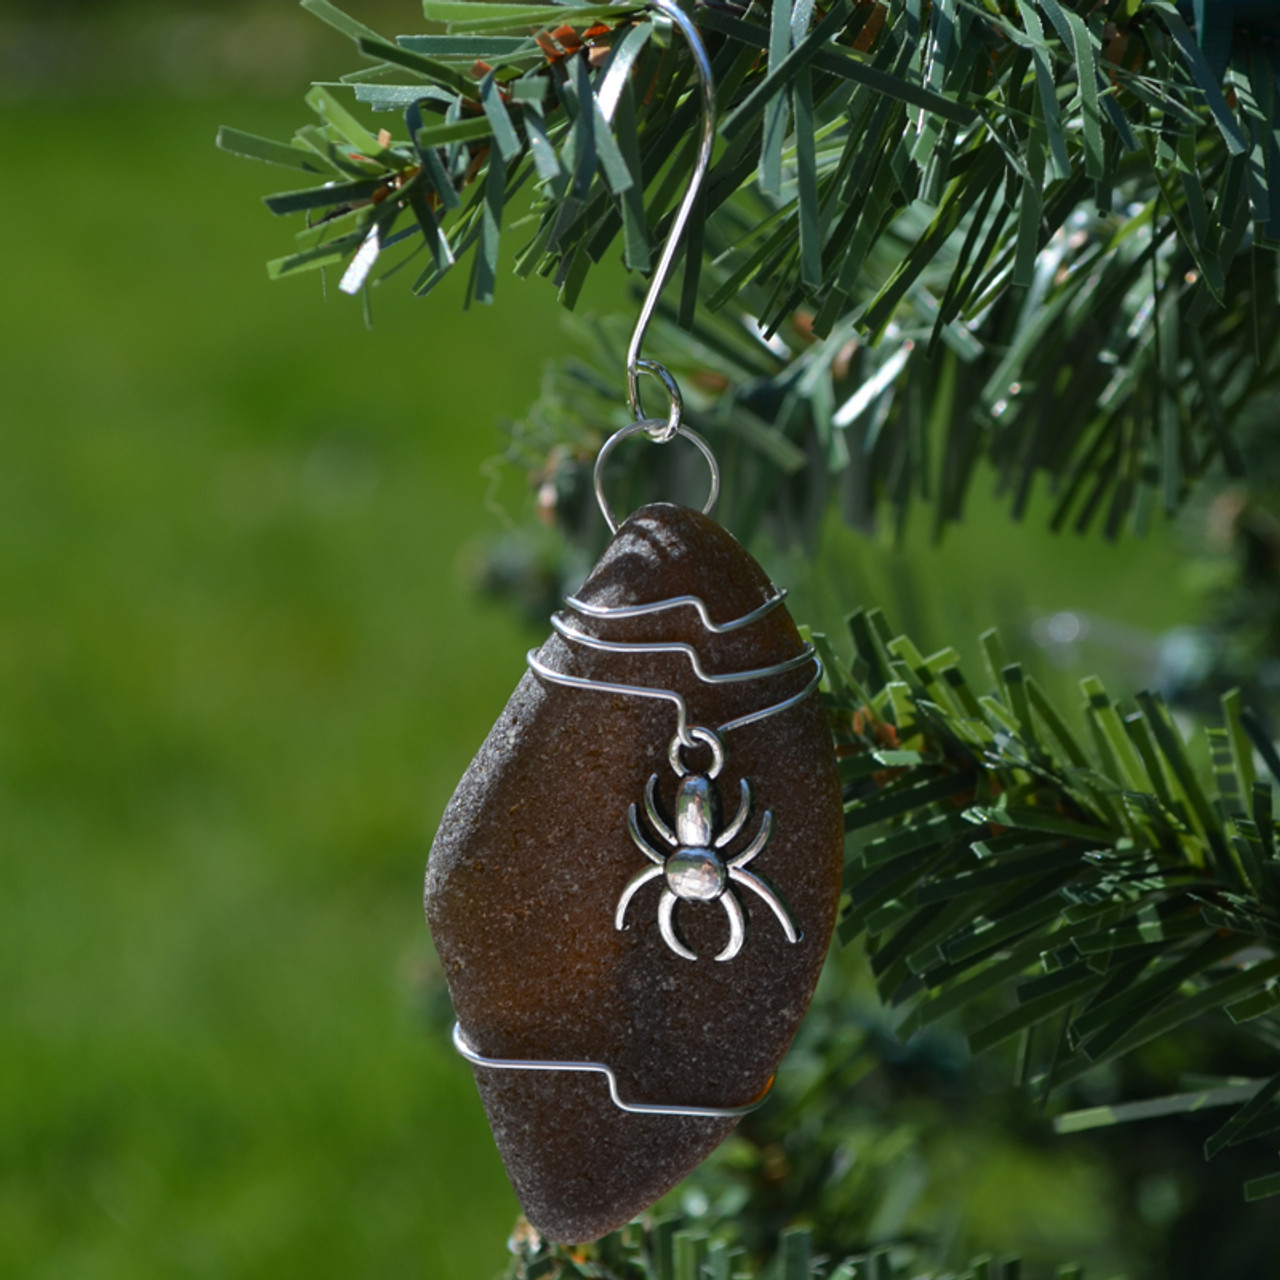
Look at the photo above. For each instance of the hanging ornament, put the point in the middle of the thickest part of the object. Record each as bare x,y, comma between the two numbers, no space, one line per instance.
634,886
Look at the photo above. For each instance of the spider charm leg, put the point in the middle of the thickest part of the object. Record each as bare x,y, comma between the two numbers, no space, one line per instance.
695,869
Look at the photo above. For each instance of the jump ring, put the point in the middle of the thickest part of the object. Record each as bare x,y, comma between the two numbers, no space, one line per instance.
699,734
675,399
651,426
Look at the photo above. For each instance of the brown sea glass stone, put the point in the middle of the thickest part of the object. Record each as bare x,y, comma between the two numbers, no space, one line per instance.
533,854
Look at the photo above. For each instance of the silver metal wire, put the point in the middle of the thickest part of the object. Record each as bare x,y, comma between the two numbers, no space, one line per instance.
685,735
708,739
662,431
574,636
639,1108
635,363
677,602
683,732
606,509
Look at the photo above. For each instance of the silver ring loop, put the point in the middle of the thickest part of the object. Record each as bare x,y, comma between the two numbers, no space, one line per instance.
699,734
675,414
650,426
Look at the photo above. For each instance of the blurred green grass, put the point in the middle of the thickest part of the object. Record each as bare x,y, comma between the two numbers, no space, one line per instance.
239,678
239,675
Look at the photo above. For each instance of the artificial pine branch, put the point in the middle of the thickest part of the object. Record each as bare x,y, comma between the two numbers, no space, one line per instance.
1082,900
667,1249
1038,235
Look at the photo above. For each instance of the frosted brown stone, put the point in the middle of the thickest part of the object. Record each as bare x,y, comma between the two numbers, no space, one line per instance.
533,853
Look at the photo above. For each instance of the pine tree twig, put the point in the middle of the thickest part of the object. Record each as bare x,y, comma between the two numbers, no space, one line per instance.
1057,218
668,1249
1003,872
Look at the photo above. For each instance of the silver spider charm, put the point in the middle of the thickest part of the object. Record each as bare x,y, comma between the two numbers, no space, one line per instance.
695,870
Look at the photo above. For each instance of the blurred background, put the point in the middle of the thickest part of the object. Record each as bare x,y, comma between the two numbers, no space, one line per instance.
243,661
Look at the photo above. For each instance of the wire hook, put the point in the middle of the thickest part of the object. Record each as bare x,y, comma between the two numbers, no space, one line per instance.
636,364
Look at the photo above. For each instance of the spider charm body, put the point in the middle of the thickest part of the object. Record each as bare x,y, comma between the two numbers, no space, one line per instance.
696,870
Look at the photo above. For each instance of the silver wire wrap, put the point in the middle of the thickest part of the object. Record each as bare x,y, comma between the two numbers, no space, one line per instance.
575,636
662,431
677,602
639,1108
685,735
